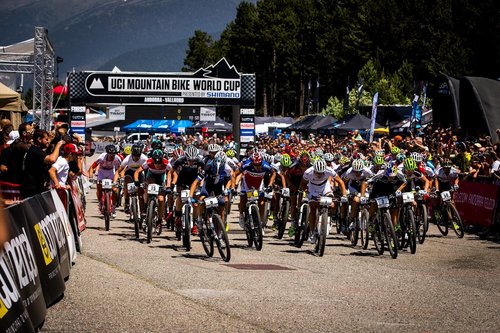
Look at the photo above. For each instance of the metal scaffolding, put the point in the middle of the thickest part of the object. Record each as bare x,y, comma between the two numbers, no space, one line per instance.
39,61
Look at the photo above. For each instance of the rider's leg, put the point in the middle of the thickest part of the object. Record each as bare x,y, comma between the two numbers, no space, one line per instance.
354,207
161,206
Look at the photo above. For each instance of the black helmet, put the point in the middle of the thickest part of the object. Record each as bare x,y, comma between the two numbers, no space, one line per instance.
156,144
136,150
157,156
111,149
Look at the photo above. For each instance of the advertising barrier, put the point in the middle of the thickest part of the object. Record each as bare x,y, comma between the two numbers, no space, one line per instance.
476,203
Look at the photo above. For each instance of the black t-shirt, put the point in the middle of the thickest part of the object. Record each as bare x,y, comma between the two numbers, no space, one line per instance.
15,161
187,173
35,173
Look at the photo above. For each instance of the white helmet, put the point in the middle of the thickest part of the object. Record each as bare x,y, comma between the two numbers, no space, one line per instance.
417,157
191,152
220,156
358,165
328,157
213,148
268,158
319,166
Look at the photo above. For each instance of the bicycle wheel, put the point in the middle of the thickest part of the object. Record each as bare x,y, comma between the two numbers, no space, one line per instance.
301,232
206,237
363,226
441,220
378,239
107,210
390,235
283,217
411,230
401,234
134,216
456,221
421,222
221,238
229,203
186,231
257,227
354,234
150,221
323,229
264,221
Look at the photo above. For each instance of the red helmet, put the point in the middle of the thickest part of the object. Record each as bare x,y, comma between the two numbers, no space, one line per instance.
256,159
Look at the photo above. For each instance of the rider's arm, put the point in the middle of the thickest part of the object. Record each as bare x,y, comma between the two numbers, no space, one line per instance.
233,177
193,187
137,173
341,184
118,173
427,183
303,184
436,184
273,177
283,180
169,177
363,188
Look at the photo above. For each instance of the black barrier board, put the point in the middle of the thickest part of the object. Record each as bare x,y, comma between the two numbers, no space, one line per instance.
13,315
19,249
55,226
45,249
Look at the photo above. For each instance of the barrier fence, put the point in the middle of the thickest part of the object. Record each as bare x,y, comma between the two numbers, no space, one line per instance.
477,203
44,236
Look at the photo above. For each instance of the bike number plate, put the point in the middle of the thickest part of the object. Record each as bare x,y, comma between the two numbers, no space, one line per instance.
325,201
382,202
285,192
252,194
211,202
268,195
153,189
184,195
107,184
131,187
408,197
446,196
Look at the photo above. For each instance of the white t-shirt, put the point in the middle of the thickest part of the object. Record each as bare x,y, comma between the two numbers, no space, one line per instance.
62,169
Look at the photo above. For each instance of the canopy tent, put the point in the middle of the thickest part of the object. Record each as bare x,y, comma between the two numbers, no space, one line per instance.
263,124
218,126
12,104
479,105
177,126
353,122
446,102
323,123
311,122
147,125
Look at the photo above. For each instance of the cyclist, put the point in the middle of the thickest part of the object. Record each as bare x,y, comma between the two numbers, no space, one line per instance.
107,163
378,164
156,168
283,162
126,171
414,175
316,182
253,171
294,176
183,173
356,177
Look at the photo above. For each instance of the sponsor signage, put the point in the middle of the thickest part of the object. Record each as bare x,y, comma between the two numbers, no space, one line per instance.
476,202
78,109
207,114
247,119
247,132
117,113
78,119
250,112
246,139
247,126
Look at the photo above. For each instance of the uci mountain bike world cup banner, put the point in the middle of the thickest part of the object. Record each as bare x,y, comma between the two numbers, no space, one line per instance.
218,84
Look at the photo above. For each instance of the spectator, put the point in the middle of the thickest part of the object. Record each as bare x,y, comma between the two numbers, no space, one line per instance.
60,170
19,148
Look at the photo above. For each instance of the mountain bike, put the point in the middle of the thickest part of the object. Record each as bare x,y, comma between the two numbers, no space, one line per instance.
268,197
184,230
302,223
358,230
446,215
134,216
323,225
421,221
408,234
383,226
212,230
253,226
152,218
282,217
107,201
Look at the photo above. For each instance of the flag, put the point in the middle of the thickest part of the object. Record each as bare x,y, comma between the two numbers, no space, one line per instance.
346,99
414,107
374,116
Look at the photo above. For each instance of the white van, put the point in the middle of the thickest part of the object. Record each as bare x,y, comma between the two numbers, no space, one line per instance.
135,137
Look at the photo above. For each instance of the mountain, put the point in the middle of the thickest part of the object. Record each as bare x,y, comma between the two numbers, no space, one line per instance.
148,35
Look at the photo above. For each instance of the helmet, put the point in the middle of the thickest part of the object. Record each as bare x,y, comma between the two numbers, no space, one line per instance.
417,157
156,144
401,157
178,152
358,165
319,166
446,163
136,150
278,157
230,153
304,157
220,157
318,152
213,148
268,158
127,150
169,150
286,161
409,164
157,155
392,170
380,152
344,160
378,160
256,159
191,152
111,149
395,150
328,157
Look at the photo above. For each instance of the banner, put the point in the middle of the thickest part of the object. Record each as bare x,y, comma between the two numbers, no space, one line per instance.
476,203
117,112
62,207
20,252
374,116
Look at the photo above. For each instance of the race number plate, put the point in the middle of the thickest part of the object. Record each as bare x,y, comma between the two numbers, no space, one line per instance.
408,197
131,188
107,184
268,195
325,201
382,202
184,195
153,189
285,192
252,194
211,202
446,196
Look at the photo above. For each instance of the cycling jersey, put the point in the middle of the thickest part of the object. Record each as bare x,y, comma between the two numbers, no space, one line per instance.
295,173
317,183
233,163
187,172
354,179
253,178
107,168
384,185
214,179
445,180
157,173
130,164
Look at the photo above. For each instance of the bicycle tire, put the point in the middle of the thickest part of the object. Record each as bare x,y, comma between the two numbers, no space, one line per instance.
150,220
378,240
221,238
421,222
363,224
322,233
257,227
229,203
440,222
186,232
390,235
285,208
456,221
411,231
354,234
403,223
206,238
106,211
302,233
135,217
